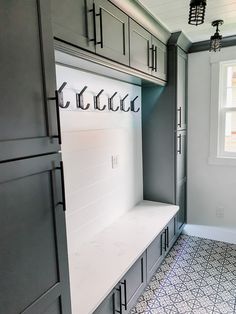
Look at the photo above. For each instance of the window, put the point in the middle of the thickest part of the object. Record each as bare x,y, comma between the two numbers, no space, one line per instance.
227,110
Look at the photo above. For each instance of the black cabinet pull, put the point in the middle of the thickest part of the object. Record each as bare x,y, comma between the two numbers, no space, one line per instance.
180,116
93,10
59,104
161,244
125,294
155,58
63,203
148,54
152,66
179,150
120,301
167,237
101,29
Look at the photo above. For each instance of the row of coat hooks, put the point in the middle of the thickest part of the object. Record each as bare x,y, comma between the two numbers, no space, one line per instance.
97,104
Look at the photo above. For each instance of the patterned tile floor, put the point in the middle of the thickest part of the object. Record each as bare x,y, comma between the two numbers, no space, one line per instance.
198,276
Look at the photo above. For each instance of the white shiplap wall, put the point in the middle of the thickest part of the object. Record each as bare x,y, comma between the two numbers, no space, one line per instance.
96,194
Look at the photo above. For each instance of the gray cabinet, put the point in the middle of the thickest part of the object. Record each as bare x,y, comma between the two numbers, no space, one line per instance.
28,119
33,263
181,201
97,26
181,89
134,282
112,304
155,255
112,27
171,232
140,48
181,155
125,294
164,142
73,22
159,59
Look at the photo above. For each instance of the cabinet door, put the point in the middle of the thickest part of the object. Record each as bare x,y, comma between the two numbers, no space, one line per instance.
171,232
28,120
73,22
140,48
160,59
181,201
112,303
181,89
33,263
112,32
134,282
155,255
181,148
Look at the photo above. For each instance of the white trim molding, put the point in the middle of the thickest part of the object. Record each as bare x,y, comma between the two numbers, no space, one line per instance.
210,232
215,153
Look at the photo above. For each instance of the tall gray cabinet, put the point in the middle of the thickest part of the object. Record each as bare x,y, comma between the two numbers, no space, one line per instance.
164,132
33,247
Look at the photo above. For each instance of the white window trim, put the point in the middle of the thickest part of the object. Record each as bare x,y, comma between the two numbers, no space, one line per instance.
214,154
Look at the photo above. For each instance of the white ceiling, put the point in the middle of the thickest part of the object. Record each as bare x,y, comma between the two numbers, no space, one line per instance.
173,14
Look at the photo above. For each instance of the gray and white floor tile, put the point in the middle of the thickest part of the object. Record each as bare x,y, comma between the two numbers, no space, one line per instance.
198,276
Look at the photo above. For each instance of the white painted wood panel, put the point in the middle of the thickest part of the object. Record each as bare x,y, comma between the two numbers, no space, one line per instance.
174,16
97,194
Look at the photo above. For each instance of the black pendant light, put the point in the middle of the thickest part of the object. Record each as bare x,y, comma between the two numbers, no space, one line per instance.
197,12
215,41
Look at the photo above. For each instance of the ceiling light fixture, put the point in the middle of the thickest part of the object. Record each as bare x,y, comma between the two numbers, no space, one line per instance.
215,40
197,12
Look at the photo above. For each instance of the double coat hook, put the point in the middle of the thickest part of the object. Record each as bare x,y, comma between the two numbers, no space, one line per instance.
133,105
97,101
59,97
122,104
111,103
80,99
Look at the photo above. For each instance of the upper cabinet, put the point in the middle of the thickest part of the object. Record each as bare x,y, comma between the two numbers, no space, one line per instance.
73,22
101,27
112,32
140,48
28,115
160,59
98,26
181,89
147,53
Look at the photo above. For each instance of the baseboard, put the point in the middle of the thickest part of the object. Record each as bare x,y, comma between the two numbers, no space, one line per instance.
212,233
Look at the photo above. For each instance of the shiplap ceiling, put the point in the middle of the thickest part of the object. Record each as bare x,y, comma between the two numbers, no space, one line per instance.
173,14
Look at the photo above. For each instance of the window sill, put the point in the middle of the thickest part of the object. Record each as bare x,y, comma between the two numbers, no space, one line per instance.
222,161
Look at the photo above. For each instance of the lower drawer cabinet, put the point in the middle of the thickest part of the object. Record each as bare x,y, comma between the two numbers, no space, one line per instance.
125,295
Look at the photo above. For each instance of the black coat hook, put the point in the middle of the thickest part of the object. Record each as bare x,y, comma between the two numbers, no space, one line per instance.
122,106
97,101
133,104
80,99
59,97
111,103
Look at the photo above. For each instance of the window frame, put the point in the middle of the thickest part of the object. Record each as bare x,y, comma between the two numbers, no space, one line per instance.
217,153
223,110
